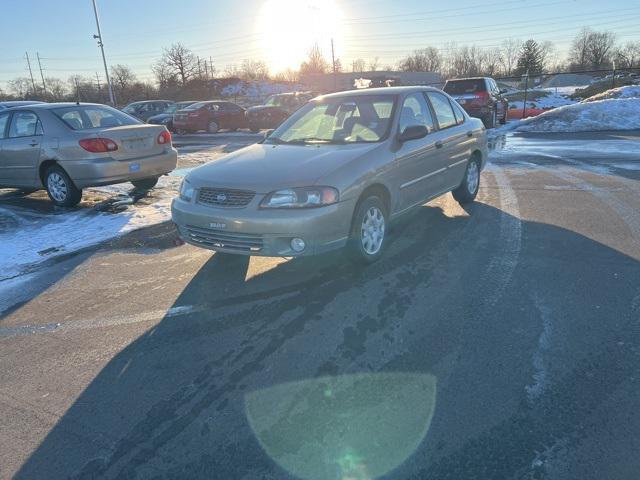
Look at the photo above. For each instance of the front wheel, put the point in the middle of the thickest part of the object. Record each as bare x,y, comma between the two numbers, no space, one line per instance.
61,189
368,231
213,127
468,189
145,183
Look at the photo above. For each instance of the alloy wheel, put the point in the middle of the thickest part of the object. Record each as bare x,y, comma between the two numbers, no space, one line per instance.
372,231
57,187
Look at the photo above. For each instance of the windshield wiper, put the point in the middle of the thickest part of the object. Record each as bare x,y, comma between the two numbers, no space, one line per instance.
314,140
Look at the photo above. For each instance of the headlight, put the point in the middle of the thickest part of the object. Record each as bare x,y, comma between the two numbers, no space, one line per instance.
305,197
186,191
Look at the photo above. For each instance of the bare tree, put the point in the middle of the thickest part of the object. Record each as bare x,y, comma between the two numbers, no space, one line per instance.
56,88
510,51
492,61
600,47
254,70
21,87
181,61
315,62
122,76
164,74
424,60
374,64
358,65
579,54
627,55
287,75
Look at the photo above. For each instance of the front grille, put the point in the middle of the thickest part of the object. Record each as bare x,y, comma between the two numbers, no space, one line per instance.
208,237
224,197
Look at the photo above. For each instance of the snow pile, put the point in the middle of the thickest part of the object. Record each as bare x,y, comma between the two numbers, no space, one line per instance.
630,91
36,238
612,114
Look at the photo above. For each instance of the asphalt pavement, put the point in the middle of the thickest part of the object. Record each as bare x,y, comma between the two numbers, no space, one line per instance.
498,340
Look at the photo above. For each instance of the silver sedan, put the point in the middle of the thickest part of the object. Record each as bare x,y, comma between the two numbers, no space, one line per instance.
65,147
335,174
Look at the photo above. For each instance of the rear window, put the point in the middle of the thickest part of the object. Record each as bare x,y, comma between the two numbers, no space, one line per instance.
90,117
459,87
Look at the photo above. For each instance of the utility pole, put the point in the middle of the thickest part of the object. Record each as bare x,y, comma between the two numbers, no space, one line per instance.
104,60
98,85
199,69
211,65
33,83
333,62
44,86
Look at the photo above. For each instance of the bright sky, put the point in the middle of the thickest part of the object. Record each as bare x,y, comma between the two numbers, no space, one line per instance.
281,31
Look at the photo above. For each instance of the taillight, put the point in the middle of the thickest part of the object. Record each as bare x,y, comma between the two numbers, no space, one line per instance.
98,145
164,138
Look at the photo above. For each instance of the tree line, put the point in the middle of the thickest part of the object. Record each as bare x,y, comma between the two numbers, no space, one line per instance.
181,75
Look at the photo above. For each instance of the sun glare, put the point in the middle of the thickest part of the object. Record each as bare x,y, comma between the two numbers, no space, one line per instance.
289,28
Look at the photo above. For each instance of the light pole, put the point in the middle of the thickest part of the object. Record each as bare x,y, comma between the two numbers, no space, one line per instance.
104,60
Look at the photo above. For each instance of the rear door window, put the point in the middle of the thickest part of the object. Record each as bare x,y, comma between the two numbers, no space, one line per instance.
461,87
444,111
24,124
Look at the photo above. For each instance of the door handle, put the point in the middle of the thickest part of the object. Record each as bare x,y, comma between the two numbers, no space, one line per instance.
439,144
470,133
34,144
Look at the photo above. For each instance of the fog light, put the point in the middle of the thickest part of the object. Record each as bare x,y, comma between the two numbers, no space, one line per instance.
297,244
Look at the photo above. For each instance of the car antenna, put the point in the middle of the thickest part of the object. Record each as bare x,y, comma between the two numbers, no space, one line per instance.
77,92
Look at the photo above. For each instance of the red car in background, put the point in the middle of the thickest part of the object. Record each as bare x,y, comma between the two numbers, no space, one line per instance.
481,98
210,116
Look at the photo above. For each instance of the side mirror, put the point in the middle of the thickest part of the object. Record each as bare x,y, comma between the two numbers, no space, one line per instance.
413,132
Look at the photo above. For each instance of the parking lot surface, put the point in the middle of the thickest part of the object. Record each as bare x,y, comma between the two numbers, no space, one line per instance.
499,340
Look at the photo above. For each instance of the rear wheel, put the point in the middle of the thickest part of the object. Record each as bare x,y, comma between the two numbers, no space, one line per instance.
61,189
369,230
468,189
213,127
145,183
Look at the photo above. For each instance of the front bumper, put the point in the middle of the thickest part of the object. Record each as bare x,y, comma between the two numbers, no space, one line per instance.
107,171
263,232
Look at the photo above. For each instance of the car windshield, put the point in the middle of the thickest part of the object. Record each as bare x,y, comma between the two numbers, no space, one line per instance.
458,87
334,120
275,101
172,108
93,116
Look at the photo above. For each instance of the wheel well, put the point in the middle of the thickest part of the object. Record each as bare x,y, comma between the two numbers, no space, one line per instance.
379,190
477,155
43,168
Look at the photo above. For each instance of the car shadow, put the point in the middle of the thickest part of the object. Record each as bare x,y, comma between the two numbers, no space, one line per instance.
172,403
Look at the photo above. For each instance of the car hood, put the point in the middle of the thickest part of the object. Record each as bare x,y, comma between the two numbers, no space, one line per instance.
264,168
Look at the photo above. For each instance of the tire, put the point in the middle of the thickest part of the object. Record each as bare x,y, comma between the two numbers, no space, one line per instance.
213,127
370,213
60,188
491,120
468,189
145,183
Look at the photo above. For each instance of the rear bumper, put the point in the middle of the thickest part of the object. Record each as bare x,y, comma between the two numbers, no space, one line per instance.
106,171
253,231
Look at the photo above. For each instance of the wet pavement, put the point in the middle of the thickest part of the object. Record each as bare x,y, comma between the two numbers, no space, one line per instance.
499,340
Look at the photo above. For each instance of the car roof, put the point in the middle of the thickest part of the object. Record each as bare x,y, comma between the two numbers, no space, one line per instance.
467,78
381,91
49,106
150,101
17,103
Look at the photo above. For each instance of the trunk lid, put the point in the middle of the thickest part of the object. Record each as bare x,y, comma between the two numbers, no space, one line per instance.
134,141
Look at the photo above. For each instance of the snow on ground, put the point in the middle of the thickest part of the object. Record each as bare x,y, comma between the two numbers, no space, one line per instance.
553,97
630,91
611,114
29,237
